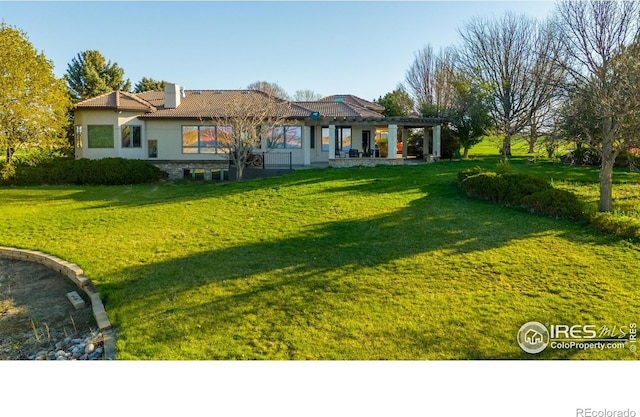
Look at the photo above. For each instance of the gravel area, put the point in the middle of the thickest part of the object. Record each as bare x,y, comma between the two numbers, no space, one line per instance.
37,320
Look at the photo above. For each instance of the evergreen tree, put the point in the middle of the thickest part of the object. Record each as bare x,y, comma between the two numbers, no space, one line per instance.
149,84
89,75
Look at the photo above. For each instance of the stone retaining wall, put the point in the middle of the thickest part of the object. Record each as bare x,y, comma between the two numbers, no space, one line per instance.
363,162
175,169
75,274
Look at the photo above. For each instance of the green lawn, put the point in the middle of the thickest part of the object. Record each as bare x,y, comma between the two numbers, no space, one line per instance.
370,263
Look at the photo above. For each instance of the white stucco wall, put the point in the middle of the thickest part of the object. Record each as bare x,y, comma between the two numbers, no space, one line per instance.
87,118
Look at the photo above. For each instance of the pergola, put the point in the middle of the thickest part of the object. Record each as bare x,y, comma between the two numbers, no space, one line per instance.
398,131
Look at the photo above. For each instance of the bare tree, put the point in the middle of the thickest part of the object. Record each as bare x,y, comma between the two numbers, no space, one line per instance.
519,61
272,89
548,80
430,80
306,95
243,121
605,93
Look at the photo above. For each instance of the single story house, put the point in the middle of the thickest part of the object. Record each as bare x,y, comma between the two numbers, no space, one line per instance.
183,130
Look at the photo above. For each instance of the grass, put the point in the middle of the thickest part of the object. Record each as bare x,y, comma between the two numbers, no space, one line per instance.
362,263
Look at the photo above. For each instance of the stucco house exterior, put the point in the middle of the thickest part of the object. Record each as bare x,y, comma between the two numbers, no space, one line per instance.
182,130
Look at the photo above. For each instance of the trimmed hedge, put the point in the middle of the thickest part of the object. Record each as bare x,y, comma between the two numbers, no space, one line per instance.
556,203
622,226
522,190
66,171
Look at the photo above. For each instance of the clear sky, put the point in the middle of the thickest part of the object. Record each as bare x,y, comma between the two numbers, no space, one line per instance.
361,48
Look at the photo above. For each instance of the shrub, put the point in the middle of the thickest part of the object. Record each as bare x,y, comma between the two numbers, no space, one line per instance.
513,187
523,190
556,203
462,175
108,171
484,185
629,159
449,146
622,226
589,157
503,167
585,156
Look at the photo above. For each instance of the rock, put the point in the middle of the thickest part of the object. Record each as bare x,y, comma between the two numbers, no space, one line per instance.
89,348
95,355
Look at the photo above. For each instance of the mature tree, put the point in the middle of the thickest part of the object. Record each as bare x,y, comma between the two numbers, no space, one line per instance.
149,84
468,114
548,78
89,74
306,95
247,120
605,89
33,103
272,89
519,61
429,80
396,103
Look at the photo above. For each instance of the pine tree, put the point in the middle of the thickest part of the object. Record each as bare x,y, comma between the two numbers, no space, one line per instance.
89,75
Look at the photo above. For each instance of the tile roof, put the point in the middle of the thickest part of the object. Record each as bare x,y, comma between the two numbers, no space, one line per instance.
201,104
354,100
337,109
117,100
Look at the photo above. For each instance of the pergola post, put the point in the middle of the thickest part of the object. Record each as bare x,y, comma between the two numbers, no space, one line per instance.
332,141
426,138
392,152
405,134
306,144
436,141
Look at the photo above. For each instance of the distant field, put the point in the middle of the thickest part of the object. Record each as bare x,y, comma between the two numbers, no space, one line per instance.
375,263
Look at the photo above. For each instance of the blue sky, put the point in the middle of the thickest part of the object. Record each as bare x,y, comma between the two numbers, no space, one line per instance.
362,48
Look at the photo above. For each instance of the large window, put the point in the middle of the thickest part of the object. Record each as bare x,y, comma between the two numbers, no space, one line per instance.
100,136
285,137
343,139
131,137
206,139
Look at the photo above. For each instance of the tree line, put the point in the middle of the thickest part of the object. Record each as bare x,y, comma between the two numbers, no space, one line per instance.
573,77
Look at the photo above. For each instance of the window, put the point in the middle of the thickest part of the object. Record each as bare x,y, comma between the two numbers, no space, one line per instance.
152,146
325,139
193,173
285,137
100,136
131,137
343,139
206,139
78,136
312,137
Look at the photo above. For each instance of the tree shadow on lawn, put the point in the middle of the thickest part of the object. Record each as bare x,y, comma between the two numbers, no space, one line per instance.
278,287
385,178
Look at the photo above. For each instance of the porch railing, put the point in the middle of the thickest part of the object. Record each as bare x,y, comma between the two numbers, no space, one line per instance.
268,160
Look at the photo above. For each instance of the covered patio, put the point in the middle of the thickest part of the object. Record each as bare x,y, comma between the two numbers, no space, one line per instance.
363,148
